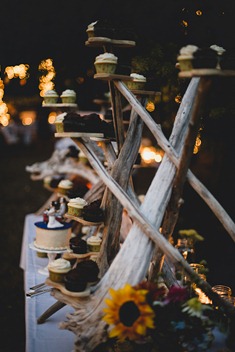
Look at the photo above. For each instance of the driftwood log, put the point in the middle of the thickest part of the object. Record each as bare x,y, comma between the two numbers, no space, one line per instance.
132,261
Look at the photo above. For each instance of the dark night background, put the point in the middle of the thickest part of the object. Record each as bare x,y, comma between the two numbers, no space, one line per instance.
32,31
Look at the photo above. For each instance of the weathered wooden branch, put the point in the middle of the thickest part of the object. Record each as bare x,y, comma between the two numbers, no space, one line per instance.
204,193
136,251
186,146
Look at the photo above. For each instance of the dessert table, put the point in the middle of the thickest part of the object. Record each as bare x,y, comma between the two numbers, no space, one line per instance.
48,336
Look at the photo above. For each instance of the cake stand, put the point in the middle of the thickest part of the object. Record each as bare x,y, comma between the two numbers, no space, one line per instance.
51,254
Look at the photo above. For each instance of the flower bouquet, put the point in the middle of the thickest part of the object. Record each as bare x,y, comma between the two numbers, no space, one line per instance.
150,318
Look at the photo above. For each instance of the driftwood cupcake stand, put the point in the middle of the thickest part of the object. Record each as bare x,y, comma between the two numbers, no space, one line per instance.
145,244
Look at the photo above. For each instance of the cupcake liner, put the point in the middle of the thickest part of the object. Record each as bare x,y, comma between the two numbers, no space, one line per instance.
105,67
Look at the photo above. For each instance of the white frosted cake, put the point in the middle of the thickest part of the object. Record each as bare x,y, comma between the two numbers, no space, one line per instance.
56,238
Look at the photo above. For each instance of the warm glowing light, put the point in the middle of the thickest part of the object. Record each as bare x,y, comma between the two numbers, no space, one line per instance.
46,80
150,155
178,99
27,117
18,71
185,23
198,12
150,106
51,118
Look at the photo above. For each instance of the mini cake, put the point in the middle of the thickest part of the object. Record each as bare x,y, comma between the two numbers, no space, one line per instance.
92,212
58,268
51,97
138,81
68,96
106,63
74,282
78,245
75,206
56,238
94,243
59,122
88,269
185,57
204,58
64,186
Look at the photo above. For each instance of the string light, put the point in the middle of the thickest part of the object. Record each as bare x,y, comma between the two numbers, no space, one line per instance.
46,80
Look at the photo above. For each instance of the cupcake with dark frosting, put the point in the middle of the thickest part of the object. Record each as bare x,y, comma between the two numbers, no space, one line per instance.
88,269
205,58
93,212
75,282
78,245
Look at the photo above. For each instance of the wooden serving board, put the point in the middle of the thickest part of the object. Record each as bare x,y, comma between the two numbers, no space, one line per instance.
82,221
78,134
70,254
102,41
206,72
59,105
61,287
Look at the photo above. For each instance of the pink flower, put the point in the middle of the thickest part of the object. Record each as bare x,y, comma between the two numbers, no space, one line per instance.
176,294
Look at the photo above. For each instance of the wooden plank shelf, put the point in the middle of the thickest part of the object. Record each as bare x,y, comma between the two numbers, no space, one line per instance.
101,41
78,134
206,72
112,77
59,105
82,221
61,287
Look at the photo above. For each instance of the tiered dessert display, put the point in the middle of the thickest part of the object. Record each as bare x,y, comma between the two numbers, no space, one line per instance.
128,271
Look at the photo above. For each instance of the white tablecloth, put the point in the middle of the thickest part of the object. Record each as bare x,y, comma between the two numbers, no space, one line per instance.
46,337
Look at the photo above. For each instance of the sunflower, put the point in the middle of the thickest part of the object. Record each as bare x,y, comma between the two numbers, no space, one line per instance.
129,313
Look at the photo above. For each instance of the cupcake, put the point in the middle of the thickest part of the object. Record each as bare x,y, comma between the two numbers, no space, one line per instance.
75,282
94,244
64,186
58,268
75,206
205,58
59,122
91,29
88,269
92,212
138,81
185,57
68,96
78,245
51,97
106,63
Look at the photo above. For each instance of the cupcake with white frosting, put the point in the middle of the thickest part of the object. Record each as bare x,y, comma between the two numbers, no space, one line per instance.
91,29
185,57
137,83
58,268
51,97
68,96
75,206
106,63
94,243
64,186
